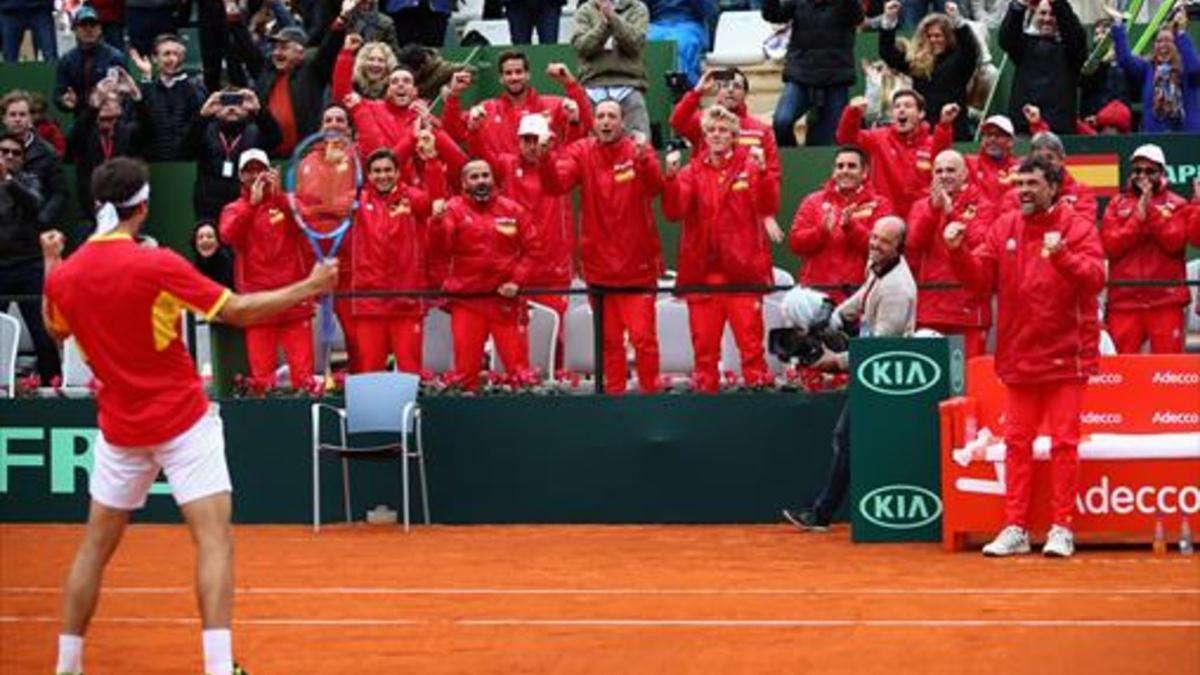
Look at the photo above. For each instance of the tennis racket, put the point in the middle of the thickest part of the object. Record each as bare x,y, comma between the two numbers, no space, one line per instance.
323,182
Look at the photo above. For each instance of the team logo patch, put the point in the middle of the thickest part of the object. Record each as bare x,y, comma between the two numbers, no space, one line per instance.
400,208
623,172
969,212
275,215
506,226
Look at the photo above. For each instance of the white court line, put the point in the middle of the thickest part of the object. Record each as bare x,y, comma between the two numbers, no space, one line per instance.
388,590
660,623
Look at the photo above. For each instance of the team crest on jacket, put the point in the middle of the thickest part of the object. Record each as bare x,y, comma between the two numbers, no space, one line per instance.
969,212
741,182
623,172
1166,210
400,208
506,226
274,215
923,161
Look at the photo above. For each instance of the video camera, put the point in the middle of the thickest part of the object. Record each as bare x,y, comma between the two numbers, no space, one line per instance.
814,326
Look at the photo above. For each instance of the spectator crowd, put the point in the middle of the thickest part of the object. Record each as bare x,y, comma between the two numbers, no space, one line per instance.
531,189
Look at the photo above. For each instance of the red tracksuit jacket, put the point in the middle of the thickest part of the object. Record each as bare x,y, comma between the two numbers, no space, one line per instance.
1042,335
270,250
837,256
929,259
488,245
1081,198
685,120
1145,251
618,181
900,167
388,250
550,215
991,175
722,210
503,117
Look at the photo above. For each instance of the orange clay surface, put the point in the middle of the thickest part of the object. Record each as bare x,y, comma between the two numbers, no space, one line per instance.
608,599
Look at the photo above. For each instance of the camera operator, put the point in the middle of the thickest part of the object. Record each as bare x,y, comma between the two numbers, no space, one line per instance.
885,306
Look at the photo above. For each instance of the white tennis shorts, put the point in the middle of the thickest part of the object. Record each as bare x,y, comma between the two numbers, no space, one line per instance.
194,462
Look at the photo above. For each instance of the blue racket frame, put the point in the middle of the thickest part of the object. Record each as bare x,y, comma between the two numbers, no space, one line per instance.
325,345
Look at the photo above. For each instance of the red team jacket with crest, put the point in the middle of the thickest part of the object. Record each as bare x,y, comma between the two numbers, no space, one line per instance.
618,182
901,167
388,249
929,259
837,256
503,117
270,250
722,210
1042,334
993,176
1145,250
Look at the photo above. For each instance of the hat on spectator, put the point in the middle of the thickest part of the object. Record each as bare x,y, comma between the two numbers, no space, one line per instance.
289,34
85,13
1150,152
1002,123
534,124
1117,115
253,155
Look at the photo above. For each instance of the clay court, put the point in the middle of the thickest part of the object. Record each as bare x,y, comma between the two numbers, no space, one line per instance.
607,599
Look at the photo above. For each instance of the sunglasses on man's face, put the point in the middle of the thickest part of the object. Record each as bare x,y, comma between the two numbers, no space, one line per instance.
1145,171
11,152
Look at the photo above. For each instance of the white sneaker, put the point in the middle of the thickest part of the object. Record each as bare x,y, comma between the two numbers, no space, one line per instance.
1060,543
1012,540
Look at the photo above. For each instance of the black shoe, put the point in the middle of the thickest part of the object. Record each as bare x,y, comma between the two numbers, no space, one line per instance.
238,670
806,519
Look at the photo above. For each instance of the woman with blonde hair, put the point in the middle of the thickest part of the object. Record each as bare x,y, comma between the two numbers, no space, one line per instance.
940,58
362,68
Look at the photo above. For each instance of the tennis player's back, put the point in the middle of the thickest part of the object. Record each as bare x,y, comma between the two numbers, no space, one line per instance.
123,303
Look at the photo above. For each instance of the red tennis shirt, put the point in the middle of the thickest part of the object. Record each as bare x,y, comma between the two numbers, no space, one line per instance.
122,302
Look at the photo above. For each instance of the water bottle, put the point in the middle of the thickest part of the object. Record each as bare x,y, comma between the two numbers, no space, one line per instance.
1185,538
1160,538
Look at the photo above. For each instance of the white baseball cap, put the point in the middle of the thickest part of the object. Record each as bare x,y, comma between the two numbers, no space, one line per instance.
1002,123
253,155
1150,152
534,124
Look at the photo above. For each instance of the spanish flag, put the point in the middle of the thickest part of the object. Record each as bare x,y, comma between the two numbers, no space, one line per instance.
1100,172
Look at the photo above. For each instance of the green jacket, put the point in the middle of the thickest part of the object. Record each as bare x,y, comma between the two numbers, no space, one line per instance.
610,52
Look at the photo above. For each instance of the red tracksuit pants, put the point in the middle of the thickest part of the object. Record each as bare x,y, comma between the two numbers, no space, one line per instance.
471,328
1163,326
377,336
635,314
974,339
1057,405
262,350
707,316
345,317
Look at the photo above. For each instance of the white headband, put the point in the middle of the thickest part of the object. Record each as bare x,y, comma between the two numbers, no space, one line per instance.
106,216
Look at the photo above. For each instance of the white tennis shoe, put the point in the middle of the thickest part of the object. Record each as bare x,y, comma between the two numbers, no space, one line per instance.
1012,540
1060,543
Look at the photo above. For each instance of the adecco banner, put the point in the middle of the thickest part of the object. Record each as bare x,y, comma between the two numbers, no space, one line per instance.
894,393
1139,452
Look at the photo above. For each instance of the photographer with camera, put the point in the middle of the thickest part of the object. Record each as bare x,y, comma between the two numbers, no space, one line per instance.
230,122
885,306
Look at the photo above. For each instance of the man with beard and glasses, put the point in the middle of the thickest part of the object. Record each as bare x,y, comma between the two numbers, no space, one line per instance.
833,225
994,166
489,244
500,116
619,177
1145,238
952,198
901,152
1046,264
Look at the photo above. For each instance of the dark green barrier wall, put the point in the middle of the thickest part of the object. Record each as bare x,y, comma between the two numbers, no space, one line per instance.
686,459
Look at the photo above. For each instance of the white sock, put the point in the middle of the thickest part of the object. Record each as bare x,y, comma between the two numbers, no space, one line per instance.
70,654
218,652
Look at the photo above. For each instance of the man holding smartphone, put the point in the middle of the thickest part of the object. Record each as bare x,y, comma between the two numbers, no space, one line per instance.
84,66
230,122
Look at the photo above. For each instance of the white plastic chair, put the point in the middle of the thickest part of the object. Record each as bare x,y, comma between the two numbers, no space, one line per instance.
437,350
76,373
495,30
675,354
468,11
384,402
739,40
10,338
25,345
780,277
543,341
579,342
1193,274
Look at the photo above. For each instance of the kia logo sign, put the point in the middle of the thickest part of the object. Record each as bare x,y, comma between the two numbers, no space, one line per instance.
900,507
899,373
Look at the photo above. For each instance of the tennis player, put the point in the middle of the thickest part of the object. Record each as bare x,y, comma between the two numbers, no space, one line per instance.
122,303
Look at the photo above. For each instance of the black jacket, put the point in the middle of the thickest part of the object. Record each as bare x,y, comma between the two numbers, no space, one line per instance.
167,113
947,83
19,226
81,69
43,162
86,151
214,190
821,48
1107,83
1048,68
308,83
